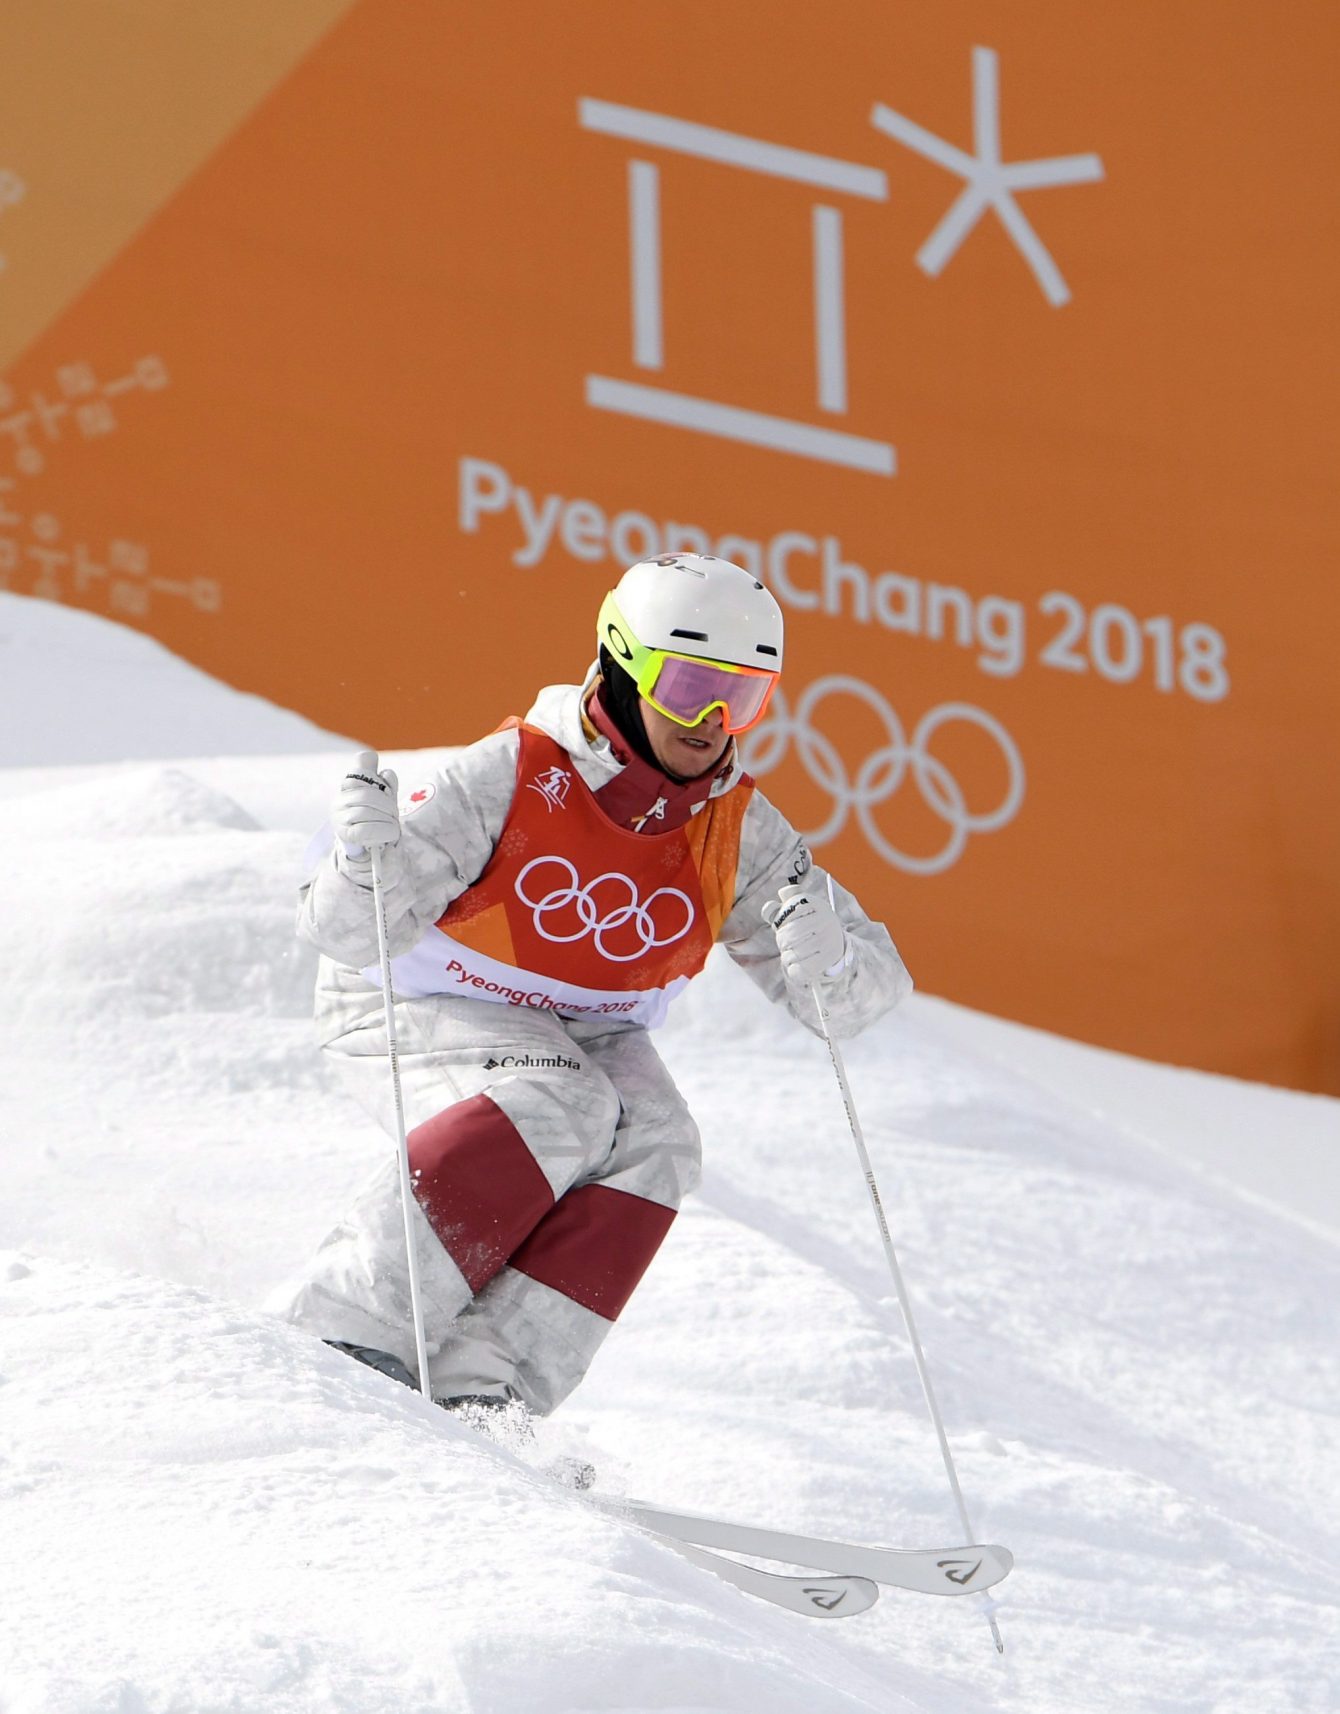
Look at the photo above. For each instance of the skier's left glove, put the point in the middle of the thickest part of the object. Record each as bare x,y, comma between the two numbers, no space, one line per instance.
811,942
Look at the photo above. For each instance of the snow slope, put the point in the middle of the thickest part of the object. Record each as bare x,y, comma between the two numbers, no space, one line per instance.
75,687
202,1510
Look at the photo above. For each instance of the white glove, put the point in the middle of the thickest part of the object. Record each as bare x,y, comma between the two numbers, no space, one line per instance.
810,939
366,812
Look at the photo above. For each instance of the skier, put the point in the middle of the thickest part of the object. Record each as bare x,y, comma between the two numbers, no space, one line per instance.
548,890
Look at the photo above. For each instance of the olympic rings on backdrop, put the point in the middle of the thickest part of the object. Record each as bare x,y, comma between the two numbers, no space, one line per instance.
616,916
882,773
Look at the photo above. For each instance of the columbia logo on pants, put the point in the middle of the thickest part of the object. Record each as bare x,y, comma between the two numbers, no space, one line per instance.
521,1061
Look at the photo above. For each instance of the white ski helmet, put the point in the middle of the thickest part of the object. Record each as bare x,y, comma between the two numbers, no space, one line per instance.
693,604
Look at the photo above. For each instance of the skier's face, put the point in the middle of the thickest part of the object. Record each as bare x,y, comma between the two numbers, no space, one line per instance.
684,751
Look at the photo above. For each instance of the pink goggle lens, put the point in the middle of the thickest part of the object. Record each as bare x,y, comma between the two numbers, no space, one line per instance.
687,689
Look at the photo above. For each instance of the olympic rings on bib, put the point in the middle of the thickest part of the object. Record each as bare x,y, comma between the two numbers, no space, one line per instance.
617,915
881,774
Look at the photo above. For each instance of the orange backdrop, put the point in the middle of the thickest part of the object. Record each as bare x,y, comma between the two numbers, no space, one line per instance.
353,346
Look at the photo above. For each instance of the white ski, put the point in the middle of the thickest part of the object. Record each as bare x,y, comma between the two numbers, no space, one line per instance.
926,1570
818,1597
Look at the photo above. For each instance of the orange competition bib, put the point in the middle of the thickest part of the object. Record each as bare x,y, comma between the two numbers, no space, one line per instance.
579,916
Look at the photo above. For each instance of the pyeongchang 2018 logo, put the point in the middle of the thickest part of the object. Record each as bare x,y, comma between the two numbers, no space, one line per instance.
989,183
877,779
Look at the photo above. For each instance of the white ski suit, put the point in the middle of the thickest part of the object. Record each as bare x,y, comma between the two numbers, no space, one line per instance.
549,1147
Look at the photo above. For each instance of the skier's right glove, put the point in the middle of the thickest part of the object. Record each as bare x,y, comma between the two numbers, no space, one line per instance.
366,812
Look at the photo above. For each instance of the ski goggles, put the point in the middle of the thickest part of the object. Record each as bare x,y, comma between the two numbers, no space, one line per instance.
686,688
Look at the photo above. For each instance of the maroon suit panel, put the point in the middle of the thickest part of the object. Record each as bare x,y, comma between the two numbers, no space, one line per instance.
595,1246
478,1184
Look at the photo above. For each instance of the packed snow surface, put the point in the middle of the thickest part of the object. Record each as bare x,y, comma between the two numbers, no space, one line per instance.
202,1510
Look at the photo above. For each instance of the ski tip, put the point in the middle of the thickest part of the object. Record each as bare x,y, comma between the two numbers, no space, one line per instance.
1004,1562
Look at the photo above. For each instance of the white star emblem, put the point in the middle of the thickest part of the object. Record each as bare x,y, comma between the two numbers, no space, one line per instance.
989,182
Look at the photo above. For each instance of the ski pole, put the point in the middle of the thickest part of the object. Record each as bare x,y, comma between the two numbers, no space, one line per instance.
367,764
904,1302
